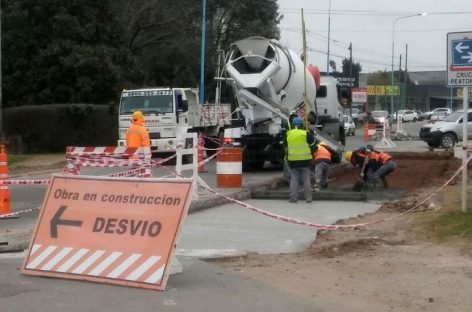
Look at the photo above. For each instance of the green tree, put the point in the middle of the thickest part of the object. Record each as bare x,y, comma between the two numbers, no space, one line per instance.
356,69
59,51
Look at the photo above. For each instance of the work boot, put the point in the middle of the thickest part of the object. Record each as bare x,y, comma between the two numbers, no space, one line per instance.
385,183
316,188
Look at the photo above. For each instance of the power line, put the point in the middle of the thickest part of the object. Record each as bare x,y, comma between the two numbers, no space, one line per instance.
366,12
357,48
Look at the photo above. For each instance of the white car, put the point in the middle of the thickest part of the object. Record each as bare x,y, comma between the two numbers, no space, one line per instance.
441,109
380,117
438,115
407,115
354,112
349,125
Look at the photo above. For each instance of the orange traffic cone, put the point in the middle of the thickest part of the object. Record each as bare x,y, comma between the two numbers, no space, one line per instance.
4,192
201,144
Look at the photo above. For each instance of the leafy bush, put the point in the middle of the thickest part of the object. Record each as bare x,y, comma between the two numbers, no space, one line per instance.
53,127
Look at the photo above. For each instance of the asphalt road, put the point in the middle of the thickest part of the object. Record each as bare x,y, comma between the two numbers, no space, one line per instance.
201,286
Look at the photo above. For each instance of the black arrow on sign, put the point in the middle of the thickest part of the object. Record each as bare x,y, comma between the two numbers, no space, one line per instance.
55,221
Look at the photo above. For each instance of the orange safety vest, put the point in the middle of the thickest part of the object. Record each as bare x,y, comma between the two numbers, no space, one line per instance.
137,135
373,156
384,158
322,153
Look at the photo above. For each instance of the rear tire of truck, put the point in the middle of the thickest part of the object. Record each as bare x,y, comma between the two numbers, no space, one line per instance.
342,136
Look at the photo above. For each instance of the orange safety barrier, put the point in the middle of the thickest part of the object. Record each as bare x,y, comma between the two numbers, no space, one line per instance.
366,132
369,129
229,167
4,192
201,145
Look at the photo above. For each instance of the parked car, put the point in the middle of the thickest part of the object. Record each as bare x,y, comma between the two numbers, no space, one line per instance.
447,132
421,116
354,112
349,125
380,116
441,109
438,115
407,115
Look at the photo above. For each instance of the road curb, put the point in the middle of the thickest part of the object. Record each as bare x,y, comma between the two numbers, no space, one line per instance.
244,193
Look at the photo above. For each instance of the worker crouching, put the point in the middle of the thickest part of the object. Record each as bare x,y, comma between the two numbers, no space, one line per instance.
322,160
379,167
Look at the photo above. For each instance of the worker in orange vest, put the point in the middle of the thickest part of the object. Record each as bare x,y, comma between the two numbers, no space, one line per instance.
137,135
322,161
380,165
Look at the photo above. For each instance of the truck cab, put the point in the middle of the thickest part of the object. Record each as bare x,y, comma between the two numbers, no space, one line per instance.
165,111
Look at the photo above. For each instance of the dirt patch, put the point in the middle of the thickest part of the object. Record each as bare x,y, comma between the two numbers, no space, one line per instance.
399,265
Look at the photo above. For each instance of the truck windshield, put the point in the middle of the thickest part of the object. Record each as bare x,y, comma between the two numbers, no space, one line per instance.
147,102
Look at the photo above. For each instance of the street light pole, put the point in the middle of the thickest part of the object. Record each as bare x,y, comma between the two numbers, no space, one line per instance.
393,53
329,38
202,53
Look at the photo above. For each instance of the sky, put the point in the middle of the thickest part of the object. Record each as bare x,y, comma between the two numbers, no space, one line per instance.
369,26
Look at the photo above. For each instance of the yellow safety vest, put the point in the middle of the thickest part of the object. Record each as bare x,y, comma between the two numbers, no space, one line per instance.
298,148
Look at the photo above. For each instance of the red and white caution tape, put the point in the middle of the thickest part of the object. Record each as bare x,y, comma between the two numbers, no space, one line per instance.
129,173
25,182
14,214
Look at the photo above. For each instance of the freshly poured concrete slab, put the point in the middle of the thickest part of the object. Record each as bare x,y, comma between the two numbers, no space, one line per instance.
233,230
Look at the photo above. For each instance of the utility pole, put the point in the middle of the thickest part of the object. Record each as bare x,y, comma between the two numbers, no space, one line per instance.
399,84
329,38
202,54
404,102
350,78
350,63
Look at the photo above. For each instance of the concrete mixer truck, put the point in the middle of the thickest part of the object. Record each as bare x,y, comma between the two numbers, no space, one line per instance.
268,83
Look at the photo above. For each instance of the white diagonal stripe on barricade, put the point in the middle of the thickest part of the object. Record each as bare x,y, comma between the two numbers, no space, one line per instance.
40,258
156,276
72,260
88,262
124,265
34,249
136,274
105,263
58,257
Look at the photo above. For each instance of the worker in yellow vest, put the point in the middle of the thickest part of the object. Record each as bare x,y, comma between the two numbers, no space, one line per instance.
299,143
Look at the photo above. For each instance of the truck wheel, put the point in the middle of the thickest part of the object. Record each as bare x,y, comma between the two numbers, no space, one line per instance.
431,144
448,141
342,136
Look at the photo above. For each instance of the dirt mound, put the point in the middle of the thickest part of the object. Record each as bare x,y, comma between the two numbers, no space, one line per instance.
414,171
355,245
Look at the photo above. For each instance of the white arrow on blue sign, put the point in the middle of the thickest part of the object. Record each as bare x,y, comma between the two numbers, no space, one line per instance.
462,52
459,59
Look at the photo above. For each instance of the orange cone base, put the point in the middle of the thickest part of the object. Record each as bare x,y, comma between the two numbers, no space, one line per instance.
4,202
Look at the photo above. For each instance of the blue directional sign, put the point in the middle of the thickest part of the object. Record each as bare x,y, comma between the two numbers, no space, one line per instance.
459,59
462,52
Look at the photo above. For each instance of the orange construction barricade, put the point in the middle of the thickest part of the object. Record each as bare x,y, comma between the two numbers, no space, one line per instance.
4,192
229,167
366,132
